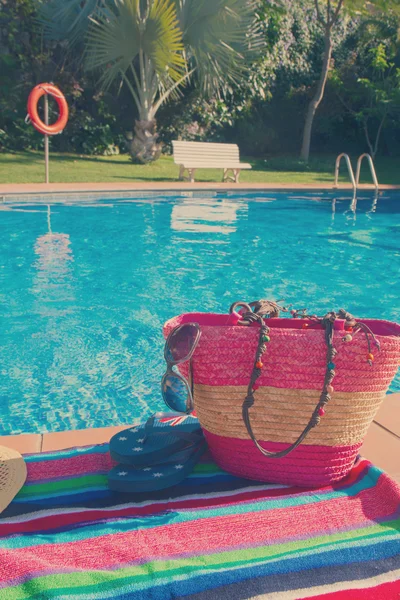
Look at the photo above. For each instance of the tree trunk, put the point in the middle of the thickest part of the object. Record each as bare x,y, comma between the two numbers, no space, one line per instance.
378,135
319,94
144,147
367,138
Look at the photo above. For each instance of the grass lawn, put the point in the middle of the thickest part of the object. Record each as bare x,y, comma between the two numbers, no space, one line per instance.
28,167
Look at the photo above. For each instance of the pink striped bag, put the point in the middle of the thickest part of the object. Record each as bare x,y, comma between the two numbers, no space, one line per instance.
289,400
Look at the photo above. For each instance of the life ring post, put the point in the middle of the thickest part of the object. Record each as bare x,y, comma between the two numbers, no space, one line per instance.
46,140
44,89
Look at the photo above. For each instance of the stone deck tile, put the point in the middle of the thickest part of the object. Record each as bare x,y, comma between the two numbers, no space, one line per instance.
79,437
382,448
389,414
26,443
382,444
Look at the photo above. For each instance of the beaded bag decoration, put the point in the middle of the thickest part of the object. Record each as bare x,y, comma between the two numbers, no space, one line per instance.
263,389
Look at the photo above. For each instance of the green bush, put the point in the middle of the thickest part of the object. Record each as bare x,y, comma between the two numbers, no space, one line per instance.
94,126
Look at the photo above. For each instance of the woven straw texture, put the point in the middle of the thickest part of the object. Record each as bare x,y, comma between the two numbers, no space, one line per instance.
12,475
281,414
290,386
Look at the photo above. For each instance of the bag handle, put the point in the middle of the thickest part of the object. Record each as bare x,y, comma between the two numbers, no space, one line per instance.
266,307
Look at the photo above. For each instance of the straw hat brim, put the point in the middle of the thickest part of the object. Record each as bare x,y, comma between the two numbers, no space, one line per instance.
12,475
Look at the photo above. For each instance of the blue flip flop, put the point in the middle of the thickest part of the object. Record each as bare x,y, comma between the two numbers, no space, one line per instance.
162,435
123,478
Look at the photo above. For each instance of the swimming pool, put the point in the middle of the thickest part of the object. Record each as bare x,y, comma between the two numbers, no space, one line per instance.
86,286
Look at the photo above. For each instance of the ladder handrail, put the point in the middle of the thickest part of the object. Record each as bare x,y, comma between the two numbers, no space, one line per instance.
371,168
349,168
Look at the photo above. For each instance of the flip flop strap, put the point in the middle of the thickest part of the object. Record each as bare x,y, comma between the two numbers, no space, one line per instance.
150,430
184,454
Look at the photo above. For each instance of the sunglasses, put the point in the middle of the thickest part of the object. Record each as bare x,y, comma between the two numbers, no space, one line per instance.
179,347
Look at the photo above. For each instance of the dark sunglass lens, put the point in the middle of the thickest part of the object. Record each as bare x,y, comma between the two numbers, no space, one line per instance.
168,354
175,393
181,343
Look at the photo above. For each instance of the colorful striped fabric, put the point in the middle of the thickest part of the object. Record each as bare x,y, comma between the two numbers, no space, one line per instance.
66,536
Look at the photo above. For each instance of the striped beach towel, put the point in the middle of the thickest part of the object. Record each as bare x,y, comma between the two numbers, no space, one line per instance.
66,536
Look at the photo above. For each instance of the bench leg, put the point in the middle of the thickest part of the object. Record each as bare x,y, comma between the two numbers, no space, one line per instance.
182,173
190,177
227,176
234,177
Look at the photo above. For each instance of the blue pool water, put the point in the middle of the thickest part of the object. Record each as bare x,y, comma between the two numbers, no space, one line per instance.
86,287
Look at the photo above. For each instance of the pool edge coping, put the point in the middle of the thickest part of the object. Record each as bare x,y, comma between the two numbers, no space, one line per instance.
27,191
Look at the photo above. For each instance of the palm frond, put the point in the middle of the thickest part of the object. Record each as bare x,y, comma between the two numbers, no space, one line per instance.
113,40
220,37
66,19
162,39
140,42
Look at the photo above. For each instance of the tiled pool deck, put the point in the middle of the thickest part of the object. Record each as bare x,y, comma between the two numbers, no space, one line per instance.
382,444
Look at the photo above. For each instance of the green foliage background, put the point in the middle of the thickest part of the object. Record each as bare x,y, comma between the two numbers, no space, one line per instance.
264,115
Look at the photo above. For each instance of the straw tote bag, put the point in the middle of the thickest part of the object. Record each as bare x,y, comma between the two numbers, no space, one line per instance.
289,400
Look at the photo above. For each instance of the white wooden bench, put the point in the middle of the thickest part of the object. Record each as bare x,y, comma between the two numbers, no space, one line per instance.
200,155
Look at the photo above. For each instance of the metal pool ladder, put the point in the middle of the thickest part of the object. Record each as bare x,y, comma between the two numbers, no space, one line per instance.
349,168
355,181
371,168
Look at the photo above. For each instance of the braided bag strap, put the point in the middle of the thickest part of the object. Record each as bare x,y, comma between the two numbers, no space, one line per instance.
264,308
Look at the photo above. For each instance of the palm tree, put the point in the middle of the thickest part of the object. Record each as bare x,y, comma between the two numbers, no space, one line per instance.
155,47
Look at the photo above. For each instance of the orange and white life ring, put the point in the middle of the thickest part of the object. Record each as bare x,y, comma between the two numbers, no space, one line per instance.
34,97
